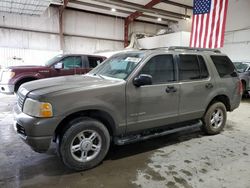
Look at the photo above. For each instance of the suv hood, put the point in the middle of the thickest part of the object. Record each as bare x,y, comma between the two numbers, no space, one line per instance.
51,85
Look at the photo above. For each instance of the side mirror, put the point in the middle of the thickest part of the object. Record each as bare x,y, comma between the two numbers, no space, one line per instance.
142,79
58,65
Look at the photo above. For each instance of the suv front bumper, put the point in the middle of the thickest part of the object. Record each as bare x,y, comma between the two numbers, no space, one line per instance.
36,132
7,89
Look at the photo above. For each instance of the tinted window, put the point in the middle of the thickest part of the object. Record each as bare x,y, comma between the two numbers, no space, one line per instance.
72,62
94,61
224,66
203,67
189,67
161,68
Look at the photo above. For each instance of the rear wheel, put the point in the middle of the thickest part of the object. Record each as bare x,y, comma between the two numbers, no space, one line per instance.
215,118
85,144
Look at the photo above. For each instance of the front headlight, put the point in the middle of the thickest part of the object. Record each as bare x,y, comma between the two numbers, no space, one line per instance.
37,109
7,75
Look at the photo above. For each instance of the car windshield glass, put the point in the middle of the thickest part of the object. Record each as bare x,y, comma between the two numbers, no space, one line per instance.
241,67
53,60
119,66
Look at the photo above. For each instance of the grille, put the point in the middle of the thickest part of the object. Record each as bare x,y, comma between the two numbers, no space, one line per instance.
20,100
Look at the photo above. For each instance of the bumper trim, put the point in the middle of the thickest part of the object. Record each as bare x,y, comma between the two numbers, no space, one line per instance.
38,144
36,132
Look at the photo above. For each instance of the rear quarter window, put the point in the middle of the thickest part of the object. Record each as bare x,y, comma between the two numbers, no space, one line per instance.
224,66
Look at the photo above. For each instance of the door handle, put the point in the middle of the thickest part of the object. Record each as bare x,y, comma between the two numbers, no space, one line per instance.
209,86
170,89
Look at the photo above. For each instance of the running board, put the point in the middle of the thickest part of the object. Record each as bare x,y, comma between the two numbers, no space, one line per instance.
137,138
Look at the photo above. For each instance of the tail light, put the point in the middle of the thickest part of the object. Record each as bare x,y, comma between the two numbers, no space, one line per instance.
240,89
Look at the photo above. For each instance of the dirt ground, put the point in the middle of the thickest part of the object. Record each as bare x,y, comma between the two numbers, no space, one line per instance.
181,160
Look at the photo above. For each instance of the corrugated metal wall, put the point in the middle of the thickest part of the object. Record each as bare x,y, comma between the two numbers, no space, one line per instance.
237,37
86,33
28,37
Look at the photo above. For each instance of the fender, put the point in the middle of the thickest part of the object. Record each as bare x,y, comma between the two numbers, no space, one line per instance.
118,119
117,128
27,75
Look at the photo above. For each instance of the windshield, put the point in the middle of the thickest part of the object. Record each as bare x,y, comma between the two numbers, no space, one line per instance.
241,67
53,60
119,66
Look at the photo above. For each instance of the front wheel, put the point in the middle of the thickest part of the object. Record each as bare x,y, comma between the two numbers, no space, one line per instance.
85,144
215,118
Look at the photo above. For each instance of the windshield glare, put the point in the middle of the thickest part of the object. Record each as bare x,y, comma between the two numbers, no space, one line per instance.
119,66
53,60
241,67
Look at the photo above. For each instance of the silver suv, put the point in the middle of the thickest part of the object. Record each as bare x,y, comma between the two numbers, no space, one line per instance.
132,96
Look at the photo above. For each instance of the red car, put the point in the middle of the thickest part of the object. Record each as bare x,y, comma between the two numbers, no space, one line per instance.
11,78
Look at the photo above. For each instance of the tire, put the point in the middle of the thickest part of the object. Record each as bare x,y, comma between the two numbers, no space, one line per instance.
84,144
214,119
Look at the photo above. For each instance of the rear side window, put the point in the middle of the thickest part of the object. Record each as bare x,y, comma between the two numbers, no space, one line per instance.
192,67
224,66
161,68
94,61
189,67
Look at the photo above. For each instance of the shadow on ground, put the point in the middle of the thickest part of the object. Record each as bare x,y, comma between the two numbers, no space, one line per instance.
51,165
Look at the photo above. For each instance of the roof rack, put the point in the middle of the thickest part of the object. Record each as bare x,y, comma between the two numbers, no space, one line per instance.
194,49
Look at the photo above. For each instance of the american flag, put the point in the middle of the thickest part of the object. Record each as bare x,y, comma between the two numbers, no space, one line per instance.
208,23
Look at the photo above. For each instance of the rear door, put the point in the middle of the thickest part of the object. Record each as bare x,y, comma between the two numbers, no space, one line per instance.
196,86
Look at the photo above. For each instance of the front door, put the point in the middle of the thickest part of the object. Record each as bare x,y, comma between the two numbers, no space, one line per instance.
157,104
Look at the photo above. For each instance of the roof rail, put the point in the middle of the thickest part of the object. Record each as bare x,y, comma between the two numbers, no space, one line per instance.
194,49
156,48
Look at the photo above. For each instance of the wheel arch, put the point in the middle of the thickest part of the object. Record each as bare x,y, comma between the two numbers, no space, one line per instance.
23,80
221,98
99,115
